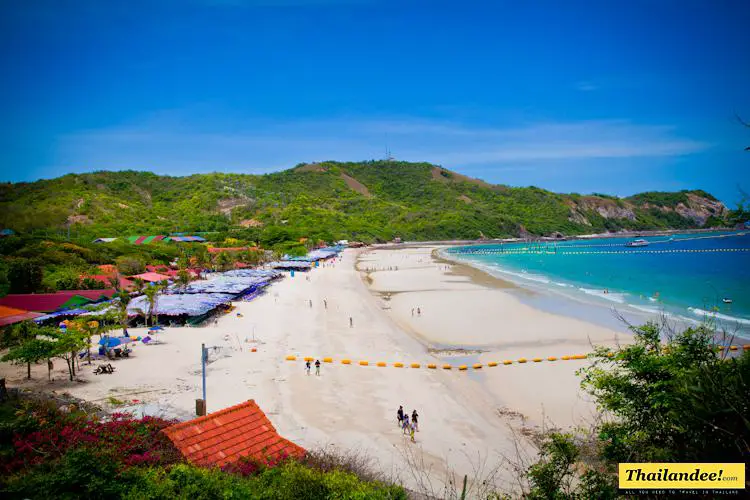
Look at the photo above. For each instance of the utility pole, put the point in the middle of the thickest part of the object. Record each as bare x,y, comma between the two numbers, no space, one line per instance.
204,355
200,404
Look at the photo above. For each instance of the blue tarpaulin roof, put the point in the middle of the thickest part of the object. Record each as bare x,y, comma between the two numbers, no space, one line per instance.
68,312
290,264
315,255
223,284
192,304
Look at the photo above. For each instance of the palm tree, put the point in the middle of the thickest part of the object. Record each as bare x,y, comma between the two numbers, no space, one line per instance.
183,279
123,300
151,293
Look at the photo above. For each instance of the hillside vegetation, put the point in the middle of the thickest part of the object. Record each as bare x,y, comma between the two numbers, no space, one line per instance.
368,201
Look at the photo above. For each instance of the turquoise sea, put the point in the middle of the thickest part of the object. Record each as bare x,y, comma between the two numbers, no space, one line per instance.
686,276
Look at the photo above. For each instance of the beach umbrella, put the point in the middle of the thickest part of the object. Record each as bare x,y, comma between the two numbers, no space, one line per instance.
156,328
109,342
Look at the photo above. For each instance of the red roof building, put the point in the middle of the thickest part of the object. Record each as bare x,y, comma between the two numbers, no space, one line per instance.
48,302
151,277
10,315
227,435
124,283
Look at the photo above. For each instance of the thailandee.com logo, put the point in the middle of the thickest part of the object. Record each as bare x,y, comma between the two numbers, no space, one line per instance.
682,476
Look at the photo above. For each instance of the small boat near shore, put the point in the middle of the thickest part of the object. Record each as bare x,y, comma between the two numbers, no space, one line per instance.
637,243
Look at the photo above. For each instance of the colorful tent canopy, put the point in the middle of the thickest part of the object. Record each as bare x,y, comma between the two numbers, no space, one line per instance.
48,302
11,315
145,240
191,304
186,239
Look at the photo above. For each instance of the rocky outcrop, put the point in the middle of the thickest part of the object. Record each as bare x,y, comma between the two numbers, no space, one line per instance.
250,223
697,208
606,207
700,209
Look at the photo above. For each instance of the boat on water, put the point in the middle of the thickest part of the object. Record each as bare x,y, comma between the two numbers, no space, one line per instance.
637,243
726,300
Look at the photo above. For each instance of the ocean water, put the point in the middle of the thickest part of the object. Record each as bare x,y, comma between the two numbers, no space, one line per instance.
687,276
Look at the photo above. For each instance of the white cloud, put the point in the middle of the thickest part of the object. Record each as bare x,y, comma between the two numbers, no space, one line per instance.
585,86
164,143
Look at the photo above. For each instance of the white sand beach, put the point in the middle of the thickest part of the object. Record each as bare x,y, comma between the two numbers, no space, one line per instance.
466,417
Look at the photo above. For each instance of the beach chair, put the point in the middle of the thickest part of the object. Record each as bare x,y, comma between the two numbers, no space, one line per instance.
101,369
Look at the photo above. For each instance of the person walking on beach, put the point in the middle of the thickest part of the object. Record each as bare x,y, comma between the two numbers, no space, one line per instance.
351,322
400,416
405,423
412,311
419,312
411,431
307,367
310,302
415,421
317,369
325,304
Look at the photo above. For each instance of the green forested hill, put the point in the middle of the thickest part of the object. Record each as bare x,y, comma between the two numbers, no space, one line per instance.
366,201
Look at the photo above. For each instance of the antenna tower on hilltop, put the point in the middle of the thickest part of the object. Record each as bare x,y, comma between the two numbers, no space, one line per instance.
388,155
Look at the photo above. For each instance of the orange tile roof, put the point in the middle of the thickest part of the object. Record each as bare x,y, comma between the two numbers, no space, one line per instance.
227,435
10,315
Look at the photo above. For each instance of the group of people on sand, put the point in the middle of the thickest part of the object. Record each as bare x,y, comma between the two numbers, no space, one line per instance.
308,367
408,427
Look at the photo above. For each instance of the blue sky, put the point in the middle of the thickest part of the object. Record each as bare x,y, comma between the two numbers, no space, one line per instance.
585,96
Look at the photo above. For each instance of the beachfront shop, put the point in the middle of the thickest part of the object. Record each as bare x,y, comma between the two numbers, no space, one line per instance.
180,309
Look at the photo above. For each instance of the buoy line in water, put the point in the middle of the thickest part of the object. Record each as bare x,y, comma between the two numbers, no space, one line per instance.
600,252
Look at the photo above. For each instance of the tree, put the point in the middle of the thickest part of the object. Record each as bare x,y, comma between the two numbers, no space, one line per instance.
745,124
68,344
223,261
121,303
668,397
129,265
183,279
152,294
88,328
27,348
24,275
658,393
16,336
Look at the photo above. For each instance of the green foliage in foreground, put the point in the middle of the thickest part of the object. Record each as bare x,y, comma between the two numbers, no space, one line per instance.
663,401
47,454
83,474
